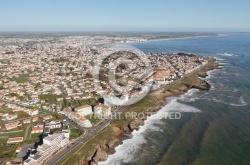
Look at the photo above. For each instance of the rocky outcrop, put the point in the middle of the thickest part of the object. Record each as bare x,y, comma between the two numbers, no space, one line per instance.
100,155
135,124
113,143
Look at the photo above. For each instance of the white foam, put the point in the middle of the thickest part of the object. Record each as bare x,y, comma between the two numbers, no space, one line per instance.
189,96
226,54
175,106
124,152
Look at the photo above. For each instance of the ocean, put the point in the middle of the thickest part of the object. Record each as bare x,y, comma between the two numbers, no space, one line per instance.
214,128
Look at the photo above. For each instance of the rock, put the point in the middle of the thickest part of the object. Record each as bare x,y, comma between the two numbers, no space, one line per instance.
91,154
117,131
202,74
100,155
112,143
126,129
202,85
104,146
135,124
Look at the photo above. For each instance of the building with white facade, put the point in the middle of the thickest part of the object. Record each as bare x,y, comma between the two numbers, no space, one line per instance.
77,118
102,110
33,112
54,124
51,144
84,110
37,129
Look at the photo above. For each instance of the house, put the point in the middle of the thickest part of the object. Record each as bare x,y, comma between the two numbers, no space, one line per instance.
47,117
12,125
26,121
11,117
84,110
4,115
33,112
34,119
37,129
15,140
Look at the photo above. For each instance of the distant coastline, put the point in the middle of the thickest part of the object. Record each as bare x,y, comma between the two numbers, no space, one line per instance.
163,39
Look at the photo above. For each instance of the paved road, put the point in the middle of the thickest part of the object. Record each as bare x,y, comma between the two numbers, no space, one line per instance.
27,131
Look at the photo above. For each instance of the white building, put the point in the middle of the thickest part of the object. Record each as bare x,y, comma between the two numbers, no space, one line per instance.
102,110
33,112
51,144
84,110
37,129
55,124
77,118
11,117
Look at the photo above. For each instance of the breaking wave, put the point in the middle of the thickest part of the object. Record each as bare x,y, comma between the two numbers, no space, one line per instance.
226,54
125,153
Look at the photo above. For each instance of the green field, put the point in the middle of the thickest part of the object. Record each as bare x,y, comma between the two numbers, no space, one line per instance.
90,101
21,79
50,97
93,119
74,132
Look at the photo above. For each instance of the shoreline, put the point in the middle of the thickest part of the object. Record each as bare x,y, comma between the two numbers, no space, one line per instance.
162,97
162,39
104,143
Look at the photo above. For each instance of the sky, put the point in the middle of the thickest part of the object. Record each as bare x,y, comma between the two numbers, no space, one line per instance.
125,15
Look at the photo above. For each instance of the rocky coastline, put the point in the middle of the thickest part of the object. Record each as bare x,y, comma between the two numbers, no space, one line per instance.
116,132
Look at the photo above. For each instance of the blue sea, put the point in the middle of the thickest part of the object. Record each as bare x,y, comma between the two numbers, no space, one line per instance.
214,128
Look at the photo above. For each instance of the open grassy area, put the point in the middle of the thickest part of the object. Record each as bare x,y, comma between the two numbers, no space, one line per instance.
93,119
21,79
3,139
72,102
74,132
50,97
13,134
7,151
21,115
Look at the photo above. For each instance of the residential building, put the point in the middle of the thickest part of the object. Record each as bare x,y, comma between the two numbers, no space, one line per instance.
15,140
102,110
12,125
11,117
84,110
51,144
47,117
77,118
33,112
37,129
26,121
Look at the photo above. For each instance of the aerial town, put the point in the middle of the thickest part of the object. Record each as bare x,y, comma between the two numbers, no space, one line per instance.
49,92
